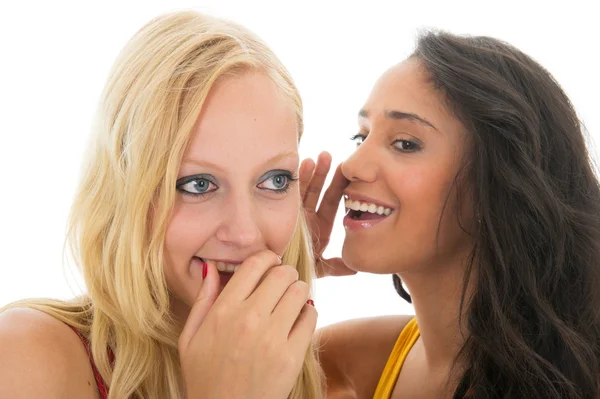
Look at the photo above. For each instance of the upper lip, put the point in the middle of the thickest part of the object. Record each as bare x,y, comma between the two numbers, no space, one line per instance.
364,198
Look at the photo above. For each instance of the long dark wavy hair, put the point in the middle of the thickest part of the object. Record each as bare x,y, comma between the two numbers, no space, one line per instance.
534,317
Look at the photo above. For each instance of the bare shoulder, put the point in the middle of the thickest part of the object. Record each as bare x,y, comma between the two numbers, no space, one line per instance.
42,357
354,352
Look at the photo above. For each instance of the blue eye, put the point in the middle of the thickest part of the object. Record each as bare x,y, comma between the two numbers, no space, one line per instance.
277,181
195,185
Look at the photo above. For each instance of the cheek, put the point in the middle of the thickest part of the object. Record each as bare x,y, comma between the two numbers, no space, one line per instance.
185,235
279,224
423,191
423,194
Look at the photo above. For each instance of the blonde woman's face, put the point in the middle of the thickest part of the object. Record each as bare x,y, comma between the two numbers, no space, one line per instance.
237,192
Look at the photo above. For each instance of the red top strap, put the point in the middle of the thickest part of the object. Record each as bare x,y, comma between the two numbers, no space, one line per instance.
102,387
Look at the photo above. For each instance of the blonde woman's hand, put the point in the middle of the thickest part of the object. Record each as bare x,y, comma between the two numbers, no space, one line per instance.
320,221
251,340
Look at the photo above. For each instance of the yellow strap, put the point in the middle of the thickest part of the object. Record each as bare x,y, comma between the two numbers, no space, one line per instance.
405,342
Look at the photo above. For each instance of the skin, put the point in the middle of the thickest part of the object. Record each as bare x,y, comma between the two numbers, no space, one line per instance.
244,133
244,156
406,160
353,353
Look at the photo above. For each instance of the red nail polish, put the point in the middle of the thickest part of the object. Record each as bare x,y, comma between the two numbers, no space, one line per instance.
204,270
311,302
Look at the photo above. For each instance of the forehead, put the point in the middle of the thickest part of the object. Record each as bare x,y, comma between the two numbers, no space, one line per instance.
244,117
406,87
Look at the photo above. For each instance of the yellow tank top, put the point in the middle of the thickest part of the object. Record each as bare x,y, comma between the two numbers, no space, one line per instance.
406,340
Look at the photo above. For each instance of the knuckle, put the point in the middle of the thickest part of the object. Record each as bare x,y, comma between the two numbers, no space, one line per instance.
299,290
272,348
219,314
313,189
285,272
250,323
289,361
262,257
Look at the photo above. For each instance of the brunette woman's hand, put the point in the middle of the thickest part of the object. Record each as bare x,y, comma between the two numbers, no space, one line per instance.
320,221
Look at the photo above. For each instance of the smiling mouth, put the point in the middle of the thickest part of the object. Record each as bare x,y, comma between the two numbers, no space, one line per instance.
360,210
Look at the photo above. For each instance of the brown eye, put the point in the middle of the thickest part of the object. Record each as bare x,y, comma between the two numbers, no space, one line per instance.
406,146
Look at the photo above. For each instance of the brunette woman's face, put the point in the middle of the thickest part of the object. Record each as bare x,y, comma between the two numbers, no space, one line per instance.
402,175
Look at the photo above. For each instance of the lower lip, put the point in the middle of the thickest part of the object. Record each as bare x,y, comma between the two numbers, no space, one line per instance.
357,224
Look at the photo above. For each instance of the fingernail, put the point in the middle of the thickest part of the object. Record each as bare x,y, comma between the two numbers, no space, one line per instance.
280,259
311,302
204,270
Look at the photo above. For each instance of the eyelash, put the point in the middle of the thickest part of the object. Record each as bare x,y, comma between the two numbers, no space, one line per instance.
416,146
291,178
357,136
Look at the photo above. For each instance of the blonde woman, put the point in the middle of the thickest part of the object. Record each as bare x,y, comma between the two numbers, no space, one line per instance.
186,217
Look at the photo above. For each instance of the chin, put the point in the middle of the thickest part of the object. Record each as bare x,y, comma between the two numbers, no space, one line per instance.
359,260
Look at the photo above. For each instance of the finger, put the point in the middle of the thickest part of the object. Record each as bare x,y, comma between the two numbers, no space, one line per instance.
289,307
206,297
305,174
315,186
304,328
331,199
274,286
245,280
333,267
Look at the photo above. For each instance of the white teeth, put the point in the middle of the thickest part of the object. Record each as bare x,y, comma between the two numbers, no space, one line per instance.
366,207
221,267
354,205
226,267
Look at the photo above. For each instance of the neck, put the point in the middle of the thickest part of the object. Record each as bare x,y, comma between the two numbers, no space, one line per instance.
436,294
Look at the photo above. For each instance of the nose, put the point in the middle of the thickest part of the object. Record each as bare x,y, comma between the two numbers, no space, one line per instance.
239,226
362,165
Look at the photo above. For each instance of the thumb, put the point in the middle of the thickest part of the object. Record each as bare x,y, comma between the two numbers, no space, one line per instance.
209,290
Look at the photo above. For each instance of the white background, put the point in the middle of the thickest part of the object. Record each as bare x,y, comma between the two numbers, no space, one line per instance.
55,57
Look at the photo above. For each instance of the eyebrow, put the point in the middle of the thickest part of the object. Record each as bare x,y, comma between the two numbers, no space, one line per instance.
399,115
273,159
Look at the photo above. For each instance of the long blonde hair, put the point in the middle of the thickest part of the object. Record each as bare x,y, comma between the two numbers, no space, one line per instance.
148,109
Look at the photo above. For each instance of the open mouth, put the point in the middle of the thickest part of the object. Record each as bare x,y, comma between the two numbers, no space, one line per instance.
360,210
222,267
